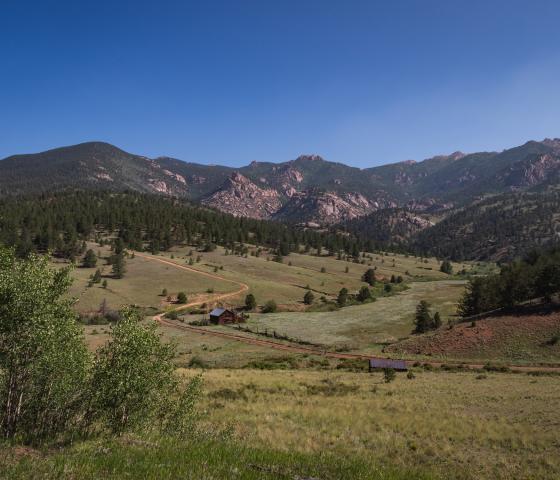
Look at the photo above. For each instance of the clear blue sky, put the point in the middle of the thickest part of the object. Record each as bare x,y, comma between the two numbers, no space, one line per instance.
360,82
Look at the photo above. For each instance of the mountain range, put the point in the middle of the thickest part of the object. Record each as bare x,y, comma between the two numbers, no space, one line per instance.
395,202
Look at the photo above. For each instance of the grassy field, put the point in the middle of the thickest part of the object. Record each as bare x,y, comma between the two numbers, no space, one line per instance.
332,425
142,284
459,425
287,284
365,327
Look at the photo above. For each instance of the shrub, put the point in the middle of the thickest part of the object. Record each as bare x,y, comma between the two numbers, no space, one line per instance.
181,297
410,375
270,307
389,375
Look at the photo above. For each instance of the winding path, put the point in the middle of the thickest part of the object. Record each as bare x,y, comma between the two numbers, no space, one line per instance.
243,287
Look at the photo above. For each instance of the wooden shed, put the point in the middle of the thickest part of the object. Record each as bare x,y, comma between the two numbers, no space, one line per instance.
378,363
219,316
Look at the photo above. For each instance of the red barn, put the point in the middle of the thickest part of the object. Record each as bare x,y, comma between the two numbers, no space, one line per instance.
219,316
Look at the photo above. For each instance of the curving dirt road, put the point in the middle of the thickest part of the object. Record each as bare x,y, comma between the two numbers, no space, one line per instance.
243,287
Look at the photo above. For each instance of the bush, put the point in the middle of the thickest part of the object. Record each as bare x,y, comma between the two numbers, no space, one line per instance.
389,375
181,297
43,357
270,307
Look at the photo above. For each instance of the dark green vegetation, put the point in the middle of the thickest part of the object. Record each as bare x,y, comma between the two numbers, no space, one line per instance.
537,277
500,227
61,222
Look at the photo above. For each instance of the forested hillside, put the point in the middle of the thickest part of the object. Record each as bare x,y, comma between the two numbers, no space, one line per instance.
498,228
60,222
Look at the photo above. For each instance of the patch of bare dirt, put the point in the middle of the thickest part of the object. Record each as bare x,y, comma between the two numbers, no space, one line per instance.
499,335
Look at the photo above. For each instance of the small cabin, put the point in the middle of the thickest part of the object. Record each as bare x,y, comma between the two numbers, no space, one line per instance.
379,363
220,316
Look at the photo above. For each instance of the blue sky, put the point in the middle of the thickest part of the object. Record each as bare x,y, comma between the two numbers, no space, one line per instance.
360,82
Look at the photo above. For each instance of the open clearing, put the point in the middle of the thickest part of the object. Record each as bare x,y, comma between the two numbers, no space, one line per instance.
365,327
461,425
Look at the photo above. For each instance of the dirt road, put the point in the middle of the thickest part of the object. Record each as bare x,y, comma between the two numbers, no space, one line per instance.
243,287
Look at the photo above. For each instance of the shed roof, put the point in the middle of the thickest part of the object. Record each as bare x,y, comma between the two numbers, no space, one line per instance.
217,312
387,363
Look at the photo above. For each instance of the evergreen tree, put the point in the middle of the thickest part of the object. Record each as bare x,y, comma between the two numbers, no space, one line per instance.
369,277
250,302
446,267
119,268
96,276
181,297
342,297
364,294
423,319
308,297
90,259
437,321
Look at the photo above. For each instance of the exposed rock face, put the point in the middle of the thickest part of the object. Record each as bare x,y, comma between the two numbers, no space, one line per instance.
241,197
532,171
323,208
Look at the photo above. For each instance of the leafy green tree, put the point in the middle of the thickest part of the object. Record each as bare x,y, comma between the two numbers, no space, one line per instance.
270,307
250,302
423,318
43,357
342,297
308,297
369,277
132,376
90,259
364,294
181,297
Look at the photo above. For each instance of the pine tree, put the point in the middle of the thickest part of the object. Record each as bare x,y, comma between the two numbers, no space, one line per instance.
308,297
119,268
96,276
181,297
364,294
369,277
250,302
342,297
90,259
423,319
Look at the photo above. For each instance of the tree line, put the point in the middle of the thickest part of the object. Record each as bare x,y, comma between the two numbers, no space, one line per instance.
60,222
536,276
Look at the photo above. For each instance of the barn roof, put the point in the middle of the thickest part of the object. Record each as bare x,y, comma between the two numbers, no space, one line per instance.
217,312
387,363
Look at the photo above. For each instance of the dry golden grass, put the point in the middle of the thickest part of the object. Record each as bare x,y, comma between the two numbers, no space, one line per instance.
502,426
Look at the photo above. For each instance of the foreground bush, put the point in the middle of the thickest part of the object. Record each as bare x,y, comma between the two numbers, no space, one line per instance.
49,385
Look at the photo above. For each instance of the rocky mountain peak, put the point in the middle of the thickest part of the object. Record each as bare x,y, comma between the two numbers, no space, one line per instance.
241,197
